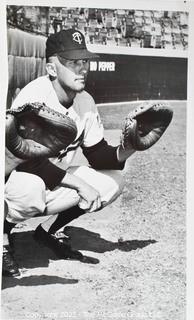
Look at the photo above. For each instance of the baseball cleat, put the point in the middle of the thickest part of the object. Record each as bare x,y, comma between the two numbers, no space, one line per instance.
9,266
58,243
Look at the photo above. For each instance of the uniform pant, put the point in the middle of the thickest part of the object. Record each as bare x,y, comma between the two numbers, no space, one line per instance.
27,195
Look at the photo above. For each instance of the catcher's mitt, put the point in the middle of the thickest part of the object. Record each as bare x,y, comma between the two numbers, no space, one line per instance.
34,130
145,125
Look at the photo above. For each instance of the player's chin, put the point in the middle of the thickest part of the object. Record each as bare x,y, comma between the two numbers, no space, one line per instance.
79,87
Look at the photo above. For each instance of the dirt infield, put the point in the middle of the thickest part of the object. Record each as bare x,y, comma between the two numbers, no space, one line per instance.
139,240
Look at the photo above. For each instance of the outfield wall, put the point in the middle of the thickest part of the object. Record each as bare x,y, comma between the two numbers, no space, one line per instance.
132,77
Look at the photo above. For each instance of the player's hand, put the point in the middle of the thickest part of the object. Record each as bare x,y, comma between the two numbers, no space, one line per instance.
90,199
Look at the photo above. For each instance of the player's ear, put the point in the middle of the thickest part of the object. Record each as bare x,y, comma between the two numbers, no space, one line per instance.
51,69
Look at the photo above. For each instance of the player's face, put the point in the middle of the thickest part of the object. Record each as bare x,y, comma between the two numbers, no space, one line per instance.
72,74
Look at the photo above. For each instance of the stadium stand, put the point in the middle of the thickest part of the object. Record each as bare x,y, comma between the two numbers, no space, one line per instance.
113,27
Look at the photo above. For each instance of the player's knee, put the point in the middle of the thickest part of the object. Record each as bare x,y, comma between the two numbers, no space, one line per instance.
115,188
22,182
35,192
26,196
118,183
121,182
35,184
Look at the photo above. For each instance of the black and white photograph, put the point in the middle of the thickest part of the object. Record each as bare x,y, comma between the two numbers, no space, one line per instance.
96,169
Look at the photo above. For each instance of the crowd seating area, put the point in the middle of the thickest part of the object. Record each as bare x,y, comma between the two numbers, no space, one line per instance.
133,28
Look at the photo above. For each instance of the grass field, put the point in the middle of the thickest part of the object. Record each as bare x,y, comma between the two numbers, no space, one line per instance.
140,242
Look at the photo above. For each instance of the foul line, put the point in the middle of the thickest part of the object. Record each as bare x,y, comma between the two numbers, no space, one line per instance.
136,102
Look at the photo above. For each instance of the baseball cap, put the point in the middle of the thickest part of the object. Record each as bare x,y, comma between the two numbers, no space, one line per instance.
68,44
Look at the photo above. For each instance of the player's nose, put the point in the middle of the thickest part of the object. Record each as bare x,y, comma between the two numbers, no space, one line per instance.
84,66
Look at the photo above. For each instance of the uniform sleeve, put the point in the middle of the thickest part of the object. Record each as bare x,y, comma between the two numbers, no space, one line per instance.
94,131
34,91
103,156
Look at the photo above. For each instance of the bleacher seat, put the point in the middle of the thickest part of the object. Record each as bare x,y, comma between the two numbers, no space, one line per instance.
118,38
69,22
125,27
147,20
158,41
86,13
75,13
168,38
123,42
183,19
138,32
93,23
185,37
81,24
185,31
97,40
129,31
147,41
111,41
51,29
103,36
177,38
175,30
174,23
91,31
87,37
139,20
185,45
148,14
179,46
120,12
64,13
114,22
158,28
113,33
167,30
153,41
135,42
92,13
168,45
147,28
158,15
108,22
139,13
129,20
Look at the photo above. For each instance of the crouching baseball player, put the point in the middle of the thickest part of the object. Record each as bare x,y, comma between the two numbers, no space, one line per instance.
49,119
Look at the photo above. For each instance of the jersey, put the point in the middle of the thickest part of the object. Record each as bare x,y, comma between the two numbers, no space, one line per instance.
83,111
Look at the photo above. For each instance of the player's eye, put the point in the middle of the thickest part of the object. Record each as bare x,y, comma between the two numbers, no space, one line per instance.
81,62
71,63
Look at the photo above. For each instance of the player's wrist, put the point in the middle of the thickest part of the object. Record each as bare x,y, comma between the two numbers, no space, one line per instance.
123,154
73,182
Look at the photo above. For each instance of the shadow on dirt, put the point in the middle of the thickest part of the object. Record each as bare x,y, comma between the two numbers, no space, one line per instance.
35,281
82,239
29,254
